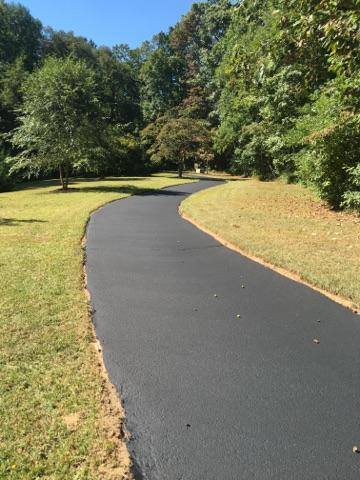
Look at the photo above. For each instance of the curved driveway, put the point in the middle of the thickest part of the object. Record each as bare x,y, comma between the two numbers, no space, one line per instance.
209,395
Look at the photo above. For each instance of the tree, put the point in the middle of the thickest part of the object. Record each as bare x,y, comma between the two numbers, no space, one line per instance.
118,88
133,58
12,77
20,35
194,39
161,78
20,40
60,119
62,44
181,140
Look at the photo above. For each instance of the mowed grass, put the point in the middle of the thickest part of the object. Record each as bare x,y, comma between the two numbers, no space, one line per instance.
287,226
48,366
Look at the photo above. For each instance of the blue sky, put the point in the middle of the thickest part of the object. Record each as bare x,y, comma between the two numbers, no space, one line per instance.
109,22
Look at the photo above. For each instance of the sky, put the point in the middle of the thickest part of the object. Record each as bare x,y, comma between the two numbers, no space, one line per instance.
109,22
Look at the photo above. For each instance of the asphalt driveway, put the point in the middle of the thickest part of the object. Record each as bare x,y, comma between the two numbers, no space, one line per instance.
214,356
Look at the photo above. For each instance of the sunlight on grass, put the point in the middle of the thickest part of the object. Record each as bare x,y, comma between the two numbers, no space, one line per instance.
47,364
288,227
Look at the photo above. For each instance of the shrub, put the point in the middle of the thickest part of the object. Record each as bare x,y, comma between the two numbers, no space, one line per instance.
331,162
351,198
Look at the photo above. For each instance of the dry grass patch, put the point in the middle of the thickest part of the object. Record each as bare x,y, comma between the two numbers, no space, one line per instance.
53,421
287,226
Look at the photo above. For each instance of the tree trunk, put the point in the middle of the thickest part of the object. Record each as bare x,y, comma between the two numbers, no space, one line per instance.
64,177
181,168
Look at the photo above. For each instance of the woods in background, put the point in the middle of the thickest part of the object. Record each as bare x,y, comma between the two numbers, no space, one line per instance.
257,87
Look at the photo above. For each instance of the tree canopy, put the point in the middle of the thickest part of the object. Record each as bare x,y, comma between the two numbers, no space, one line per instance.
60,118
180,141
274,83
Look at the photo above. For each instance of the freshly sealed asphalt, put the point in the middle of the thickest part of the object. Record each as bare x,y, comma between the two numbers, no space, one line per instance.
209,395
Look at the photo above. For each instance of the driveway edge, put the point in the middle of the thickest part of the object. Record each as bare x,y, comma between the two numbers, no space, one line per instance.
112,413
282,271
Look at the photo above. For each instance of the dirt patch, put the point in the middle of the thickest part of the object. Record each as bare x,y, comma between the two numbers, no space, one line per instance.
72,421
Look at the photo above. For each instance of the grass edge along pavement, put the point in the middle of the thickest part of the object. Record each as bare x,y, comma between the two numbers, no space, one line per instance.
60,416
285,228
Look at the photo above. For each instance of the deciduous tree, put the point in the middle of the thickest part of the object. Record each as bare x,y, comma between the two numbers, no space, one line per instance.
182,140
59,120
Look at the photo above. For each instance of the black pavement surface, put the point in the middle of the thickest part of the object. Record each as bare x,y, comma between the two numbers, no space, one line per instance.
209,395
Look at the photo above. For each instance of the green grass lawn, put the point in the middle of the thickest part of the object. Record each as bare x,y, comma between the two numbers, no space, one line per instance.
48,366
287,226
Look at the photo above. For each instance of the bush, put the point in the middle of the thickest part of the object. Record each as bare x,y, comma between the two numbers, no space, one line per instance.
122,154
351,198
331,163
253,156
325,142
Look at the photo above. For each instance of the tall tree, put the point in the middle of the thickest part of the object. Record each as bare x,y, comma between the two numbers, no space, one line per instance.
161,79
20,41
119,88
60,119
20,35
62,44
194,38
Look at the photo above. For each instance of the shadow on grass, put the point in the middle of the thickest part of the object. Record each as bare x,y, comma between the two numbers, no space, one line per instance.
219,178
73,181
125,189
12,222
203,177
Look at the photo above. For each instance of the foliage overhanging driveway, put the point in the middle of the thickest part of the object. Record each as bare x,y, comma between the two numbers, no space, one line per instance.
209,395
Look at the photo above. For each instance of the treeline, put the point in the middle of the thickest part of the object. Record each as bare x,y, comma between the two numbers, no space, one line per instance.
257,87
289,82
65,103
